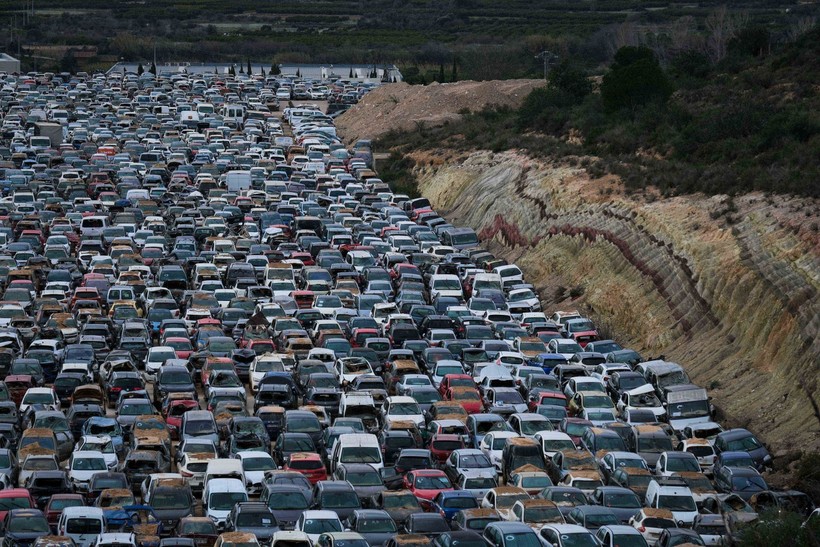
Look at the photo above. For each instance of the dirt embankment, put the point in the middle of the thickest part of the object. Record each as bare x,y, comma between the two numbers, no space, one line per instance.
402,107
726,287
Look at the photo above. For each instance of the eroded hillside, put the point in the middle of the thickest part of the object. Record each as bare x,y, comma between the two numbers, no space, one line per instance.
727,287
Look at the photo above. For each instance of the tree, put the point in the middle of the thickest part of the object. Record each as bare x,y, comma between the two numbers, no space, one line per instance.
232,71
153,69
250,69
68,63
634,79
140,70
570,80
351,73
275,70
454,75
441,73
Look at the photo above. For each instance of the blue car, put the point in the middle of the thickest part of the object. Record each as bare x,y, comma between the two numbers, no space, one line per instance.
448,503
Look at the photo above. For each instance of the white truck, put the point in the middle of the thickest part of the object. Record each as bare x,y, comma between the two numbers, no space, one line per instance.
236,181
687,404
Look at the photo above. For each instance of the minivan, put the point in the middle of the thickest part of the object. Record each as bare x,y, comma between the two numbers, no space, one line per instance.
220,496
356,448
81,524
92,227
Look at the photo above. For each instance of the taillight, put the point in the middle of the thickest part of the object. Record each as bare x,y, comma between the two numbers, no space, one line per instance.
642,529
185,473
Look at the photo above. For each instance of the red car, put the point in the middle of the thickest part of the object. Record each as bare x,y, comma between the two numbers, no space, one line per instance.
182,346
455,380
427,483
17,498
308,464
173,414
441,446
468,397
555,398
58,502
259,346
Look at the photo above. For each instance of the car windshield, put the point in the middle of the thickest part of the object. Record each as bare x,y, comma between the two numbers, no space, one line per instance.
627,501
35,524
319,526
360,454
426,482
253,519
258,464
677,503
655,444
748,483
474,461
682,464
224,501
284,501
746,444
400,502
89,464
304,425
528,540
7,504
170,499
363,478
376,526
340,500
404,409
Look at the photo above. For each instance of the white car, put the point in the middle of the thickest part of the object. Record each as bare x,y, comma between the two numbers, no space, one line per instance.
412,380
493,445
261,366
552,442
39,396
443,368
316,522
99,443
156,357
256,463
402,409
83,465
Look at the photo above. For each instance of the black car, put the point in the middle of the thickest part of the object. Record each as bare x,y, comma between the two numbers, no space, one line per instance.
254,517
172,379
678,536
459,538
24,526
104,481
65,383
426,524
79,413
289,443
43,484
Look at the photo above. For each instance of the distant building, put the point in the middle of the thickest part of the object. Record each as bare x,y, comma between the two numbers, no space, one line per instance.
309,71
9,64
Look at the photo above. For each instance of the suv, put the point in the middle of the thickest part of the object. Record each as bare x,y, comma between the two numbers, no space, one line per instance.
673,494
254,517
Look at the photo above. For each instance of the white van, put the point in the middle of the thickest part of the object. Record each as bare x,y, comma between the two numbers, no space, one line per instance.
224,468
92,227
356,448
220,496
82,524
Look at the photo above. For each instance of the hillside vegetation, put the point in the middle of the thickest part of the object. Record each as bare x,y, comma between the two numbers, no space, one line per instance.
751,122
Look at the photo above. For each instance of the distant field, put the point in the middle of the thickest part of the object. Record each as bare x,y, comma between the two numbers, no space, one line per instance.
420,33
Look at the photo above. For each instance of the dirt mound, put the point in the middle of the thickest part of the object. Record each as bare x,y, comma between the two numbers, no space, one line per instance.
402,106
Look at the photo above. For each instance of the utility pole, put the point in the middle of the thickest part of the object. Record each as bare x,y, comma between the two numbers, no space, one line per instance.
548,57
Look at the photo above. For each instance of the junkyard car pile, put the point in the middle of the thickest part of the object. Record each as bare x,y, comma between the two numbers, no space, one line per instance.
218,326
